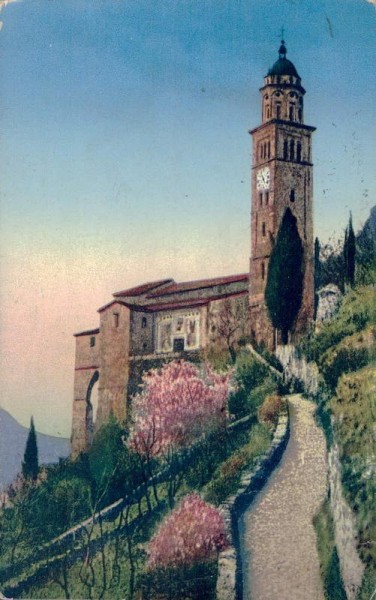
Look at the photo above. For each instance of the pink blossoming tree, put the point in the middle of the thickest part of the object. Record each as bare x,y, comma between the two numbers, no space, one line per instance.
178,406
194,532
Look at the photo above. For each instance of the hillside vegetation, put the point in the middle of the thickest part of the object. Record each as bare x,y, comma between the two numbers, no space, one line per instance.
345,352
108,560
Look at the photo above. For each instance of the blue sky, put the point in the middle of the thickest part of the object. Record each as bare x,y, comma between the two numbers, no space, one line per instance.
125,155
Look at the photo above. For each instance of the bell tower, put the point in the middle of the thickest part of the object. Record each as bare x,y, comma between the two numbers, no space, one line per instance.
281,179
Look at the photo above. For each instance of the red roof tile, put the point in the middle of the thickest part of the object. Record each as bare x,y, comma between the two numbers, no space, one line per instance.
143,289
187,286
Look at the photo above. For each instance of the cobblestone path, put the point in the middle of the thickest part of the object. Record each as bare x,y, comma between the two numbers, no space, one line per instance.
280,560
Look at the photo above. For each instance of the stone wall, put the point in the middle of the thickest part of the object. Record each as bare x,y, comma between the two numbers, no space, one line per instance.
296,369
86,371
229,582
114,362
345,531
142,333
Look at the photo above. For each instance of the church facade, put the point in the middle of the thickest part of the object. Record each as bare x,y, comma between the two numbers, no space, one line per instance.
143,327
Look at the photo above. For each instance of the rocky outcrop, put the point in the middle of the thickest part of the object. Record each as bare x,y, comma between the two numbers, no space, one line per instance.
328,303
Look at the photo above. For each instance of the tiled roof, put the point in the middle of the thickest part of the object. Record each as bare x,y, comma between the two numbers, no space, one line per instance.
174,305
144,288
87,332
102,308
199,284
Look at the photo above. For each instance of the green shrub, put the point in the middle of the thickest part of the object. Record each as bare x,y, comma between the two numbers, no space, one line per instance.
253,381
357,310
270,409
268,356
205,458
351,354
332,583
329,563
354,409
368,583
194,583
226,478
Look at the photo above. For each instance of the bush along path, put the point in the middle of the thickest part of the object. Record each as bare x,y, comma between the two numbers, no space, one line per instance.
278,542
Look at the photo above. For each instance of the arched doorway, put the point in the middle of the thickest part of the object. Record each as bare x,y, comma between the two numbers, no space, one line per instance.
91,407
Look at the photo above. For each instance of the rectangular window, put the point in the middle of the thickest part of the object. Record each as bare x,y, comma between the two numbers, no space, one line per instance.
263,230
116,319
92,341
178,344
144,322
260,198
266,198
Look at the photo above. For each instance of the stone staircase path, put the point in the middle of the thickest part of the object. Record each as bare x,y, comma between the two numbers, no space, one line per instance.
278,541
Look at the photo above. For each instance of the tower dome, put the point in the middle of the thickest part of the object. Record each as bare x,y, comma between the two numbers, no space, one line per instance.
283,66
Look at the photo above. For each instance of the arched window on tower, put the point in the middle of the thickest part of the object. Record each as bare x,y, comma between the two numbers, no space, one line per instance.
262,271
266,198
292,195
291,112
260,199
285,149
300,115
268,112
299,151
292,149
263,230
278,110
261,150
268,149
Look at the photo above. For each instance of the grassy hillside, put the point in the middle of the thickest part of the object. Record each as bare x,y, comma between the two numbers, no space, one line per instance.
109,560
345,352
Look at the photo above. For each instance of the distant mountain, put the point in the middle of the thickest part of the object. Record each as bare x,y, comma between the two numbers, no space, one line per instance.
12,447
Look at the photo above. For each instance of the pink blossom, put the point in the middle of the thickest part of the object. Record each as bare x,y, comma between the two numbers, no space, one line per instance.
177,407
194,532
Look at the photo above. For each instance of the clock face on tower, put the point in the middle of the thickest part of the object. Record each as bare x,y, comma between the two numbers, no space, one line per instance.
263,179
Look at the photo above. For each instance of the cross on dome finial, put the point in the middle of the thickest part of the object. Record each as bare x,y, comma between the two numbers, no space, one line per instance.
282,49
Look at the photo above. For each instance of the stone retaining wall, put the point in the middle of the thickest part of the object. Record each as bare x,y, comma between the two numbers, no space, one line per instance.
346,537
297,369
229,582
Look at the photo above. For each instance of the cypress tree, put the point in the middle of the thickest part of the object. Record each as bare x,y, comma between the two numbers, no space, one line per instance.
284,286
317,275
349,253
30,462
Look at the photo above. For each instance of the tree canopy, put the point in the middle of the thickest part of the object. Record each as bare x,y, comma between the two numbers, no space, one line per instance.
284,286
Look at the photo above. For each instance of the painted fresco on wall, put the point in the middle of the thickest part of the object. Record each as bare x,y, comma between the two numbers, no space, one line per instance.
187,311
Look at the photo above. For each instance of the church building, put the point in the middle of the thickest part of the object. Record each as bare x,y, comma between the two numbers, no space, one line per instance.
144,326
